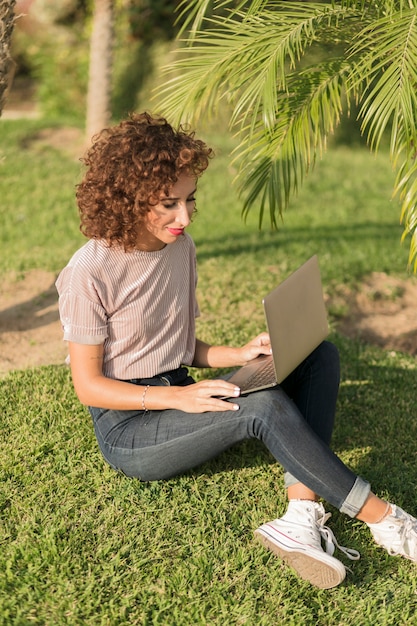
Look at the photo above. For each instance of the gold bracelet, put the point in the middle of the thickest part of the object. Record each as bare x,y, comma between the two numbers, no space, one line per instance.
143,398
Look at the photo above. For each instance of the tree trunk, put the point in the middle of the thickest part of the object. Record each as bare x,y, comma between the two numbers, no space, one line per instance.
6,28
101,57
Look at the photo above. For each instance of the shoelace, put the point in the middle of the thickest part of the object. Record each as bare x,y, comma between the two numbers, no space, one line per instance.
331,542
408,526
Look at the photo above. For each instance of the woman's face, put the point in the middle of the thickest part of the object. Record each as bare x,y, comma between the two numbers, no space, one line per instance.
167,220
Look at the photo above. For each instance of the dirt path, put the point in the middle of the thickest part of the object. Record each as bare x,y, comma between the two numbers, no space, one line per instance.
30,331
383,312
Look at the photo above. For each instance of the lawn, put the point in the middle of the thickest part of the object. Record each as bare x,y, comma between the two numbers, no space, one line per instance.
82,545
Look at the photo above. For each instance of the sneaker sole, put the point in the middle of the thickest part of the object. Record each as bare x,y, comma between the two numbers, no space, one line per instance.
324,572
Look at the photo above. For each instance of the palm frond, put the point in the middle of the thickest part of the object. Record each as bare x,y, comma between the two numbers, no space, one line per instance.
192,13
273,163
406,189
244,60
386,75
260,56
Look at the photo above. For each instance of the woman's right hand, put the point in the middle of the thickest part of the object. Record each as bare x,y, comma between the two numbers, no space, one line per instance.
206,395
94,389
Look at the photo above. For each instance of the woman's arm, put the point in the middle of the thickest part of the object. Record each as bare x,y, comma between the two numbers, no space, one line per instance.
95,389
223,356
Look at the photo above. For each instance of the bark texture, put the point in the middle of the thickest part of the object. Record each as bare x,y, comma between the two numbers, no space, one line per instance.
7,18
101,57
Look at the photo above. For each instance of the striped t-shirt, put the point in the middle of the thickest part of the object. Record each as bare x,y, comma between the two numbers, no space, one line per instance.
141,305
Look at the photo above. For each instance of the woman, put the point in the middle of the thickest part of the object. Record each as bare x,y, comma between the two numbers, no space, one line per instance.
128,309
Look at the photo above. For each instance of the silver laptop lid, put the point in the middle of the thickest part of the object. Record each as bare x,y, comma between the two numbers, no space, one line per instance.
296,317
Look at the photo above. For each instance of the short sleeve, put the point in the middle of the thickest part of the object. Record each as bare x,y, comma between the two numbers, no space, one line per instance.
83,317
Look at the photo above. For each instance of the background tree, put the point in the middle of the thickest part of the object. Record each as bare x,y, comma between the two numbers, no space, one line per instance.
87,54
50,47
100,68
289,71
6,28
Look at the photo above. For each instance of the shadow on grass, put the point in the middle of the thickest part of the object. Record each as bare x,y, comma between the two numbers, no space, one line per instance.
265,240
32,313
376,428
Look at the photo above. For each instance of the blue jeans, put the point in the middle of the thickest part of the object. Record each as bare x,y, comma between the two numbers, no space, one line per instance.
294,420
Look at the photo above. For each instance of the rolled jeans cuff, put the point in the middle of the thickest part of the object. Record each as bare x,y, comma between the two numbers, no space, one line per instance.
290,480
355,499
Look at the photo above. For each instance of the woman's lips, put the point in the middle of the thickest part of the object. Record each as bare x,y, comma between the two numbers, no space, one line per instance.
176,231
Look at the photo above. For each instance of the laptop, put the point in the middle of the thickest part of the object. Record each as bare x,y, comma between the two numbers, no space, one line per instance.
297,323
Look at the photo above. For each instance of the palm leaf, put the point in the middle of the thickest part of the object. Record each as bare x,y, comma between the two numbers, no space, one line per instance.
245,61
260,57
386,76
278,160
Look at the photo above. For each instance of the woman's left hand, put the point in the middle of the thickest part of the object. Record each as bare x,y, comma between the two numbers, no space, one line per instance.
254,348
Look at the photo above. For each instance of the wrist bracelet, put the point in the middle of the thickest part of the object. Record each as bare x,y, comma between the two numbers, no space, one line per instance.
143,398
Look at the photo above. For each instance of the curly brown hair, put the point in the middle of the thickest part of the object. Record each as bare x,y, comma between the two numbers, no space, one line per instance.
129,166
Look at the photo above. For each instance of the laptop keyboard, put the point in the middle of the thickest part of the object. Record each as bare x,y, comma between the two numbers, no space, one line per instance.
264,375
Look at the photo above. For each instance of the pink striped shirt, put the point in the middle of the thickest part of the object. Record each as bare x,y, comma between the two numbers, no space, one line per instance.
141,305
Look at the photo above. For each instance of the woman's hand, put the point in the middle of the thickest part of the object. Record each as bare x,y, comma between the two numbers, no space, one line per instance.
257,346
204,396
227,356
207,395
94,389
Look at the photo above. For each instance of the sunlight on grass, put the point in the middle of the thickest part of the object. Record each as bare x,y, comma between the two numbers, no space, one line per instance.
83,545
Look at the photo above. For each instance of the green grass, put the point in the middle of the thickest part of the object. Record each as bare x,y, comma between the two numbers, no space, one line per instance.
38,215
83,545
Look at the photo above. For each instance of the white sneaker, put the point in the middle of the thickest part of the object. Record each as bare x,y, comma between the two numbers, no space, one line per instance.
296,538
397,533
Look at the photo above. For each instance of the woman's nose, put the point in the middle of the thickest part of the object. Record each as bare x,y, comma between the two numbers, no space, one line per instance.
183,217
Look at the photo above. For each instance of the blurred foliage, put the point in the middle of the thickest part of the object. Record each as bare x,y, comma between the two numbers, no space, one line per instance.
51,46
153,19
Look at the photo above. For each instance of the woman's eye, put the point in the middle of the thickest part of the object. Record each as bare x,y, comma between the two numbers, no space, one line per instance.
173,205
